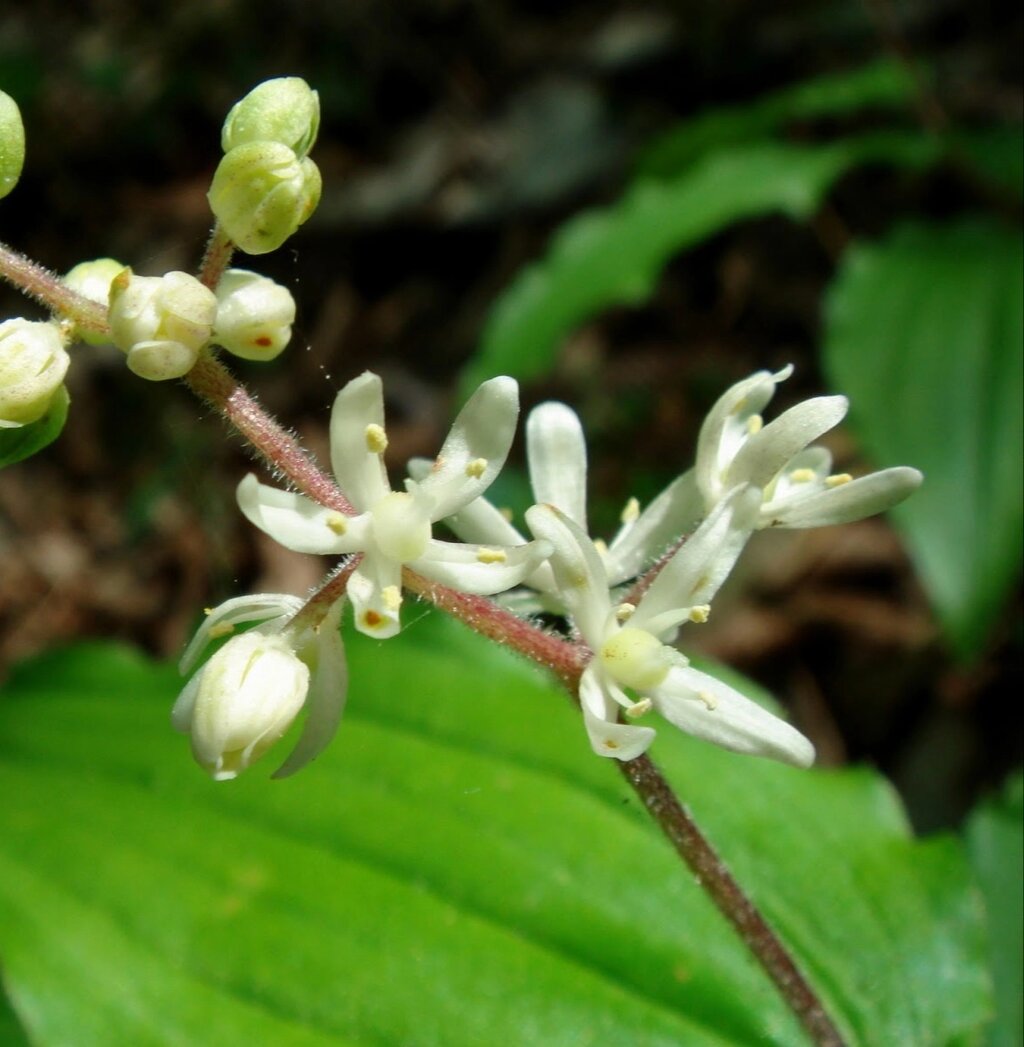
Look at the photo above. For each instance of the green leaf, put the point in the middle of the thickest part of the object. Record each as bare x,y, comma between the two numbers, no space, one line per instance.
885,84
615,256
26,440
995,841
924,332
457,869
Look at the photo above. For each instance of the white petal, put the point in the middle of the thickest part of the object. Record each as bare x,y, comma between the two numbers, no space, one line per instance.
580,577
326,701
556,454
476,448
701,564
769,450
676,511
726,427
184,705
874,493
359,469
259,607
375,589
479,569
299,523
710,709
607,737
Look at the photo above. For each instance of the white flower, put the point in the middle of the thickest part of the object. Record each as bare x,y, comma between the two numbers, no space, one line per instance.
254,315
735,447
160,322
393,528
249,693
556,454
33,363
627,642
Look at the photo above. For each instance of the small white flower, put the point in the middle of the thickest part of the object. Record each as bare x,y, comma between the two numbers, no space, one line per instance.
249,693
33,363
160,322
556,454
394,528
629,652
736,447
254,315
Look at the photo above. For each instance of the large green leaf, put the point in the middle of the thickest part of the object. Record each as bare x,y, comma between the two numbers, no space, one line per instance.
885,84
995,840
925,333
457,869
615,256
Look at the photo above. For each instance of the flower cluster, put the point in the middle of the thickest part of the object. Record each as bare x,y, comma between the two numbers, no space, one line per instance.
676,553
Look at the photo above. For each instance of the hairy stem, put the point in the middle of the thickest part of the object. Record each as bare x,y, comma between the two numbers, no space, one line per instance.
216,258
732,901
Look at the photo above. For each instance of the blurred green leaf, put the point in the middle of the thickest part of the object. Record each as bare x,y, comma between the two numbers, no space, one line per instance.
997,153
616,255
27,440
925,334
12,1034
457,869
995,842
885,84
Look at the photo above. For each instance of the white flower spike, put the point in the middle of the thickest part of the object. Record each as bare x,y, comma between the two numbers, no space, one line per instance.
736,447
394,528
630,653
248,694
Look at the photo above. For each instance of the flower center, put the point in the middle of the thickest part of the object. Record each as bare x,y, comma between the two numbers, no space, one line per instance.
634,658
401,526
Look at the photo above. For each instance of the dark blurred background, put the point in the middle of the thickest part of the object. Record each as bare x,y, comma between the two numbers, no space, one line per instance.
456,137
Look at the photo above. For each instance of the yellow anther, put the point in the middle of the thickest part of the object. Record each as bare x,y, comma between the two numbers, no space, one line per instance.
755,423
601,546
625,611
221,629
506,514
485,555
207,611
699,614
476,468
639,708
391,597
376,438
630,512
838,479
708,699
336,522
802,476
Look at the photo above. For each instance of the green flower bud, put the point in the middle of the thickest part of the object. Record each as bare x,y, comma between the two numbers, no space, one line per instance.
12,144
92,280
33,363
261,193
254,315
160,322
284,110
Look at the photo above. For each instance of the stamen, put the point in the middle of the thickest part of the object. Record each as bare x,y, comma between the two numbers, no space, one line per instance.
476,468
221,629
708,699
802,476
837,479
630,512
337,523
625,611
491,555
755,423
376,438
699,614
639,708
601,546
391,597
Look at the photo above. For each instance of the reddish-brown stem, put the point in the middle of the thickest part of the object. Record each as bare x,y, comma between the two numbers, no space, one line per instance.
732,901
216,258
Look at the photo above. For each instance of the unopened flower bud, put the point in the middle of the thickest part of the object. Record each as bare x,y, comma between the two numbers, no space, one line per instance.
33,363
284,110
160,322
12,144
254,315
242,701
92,280
262,192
